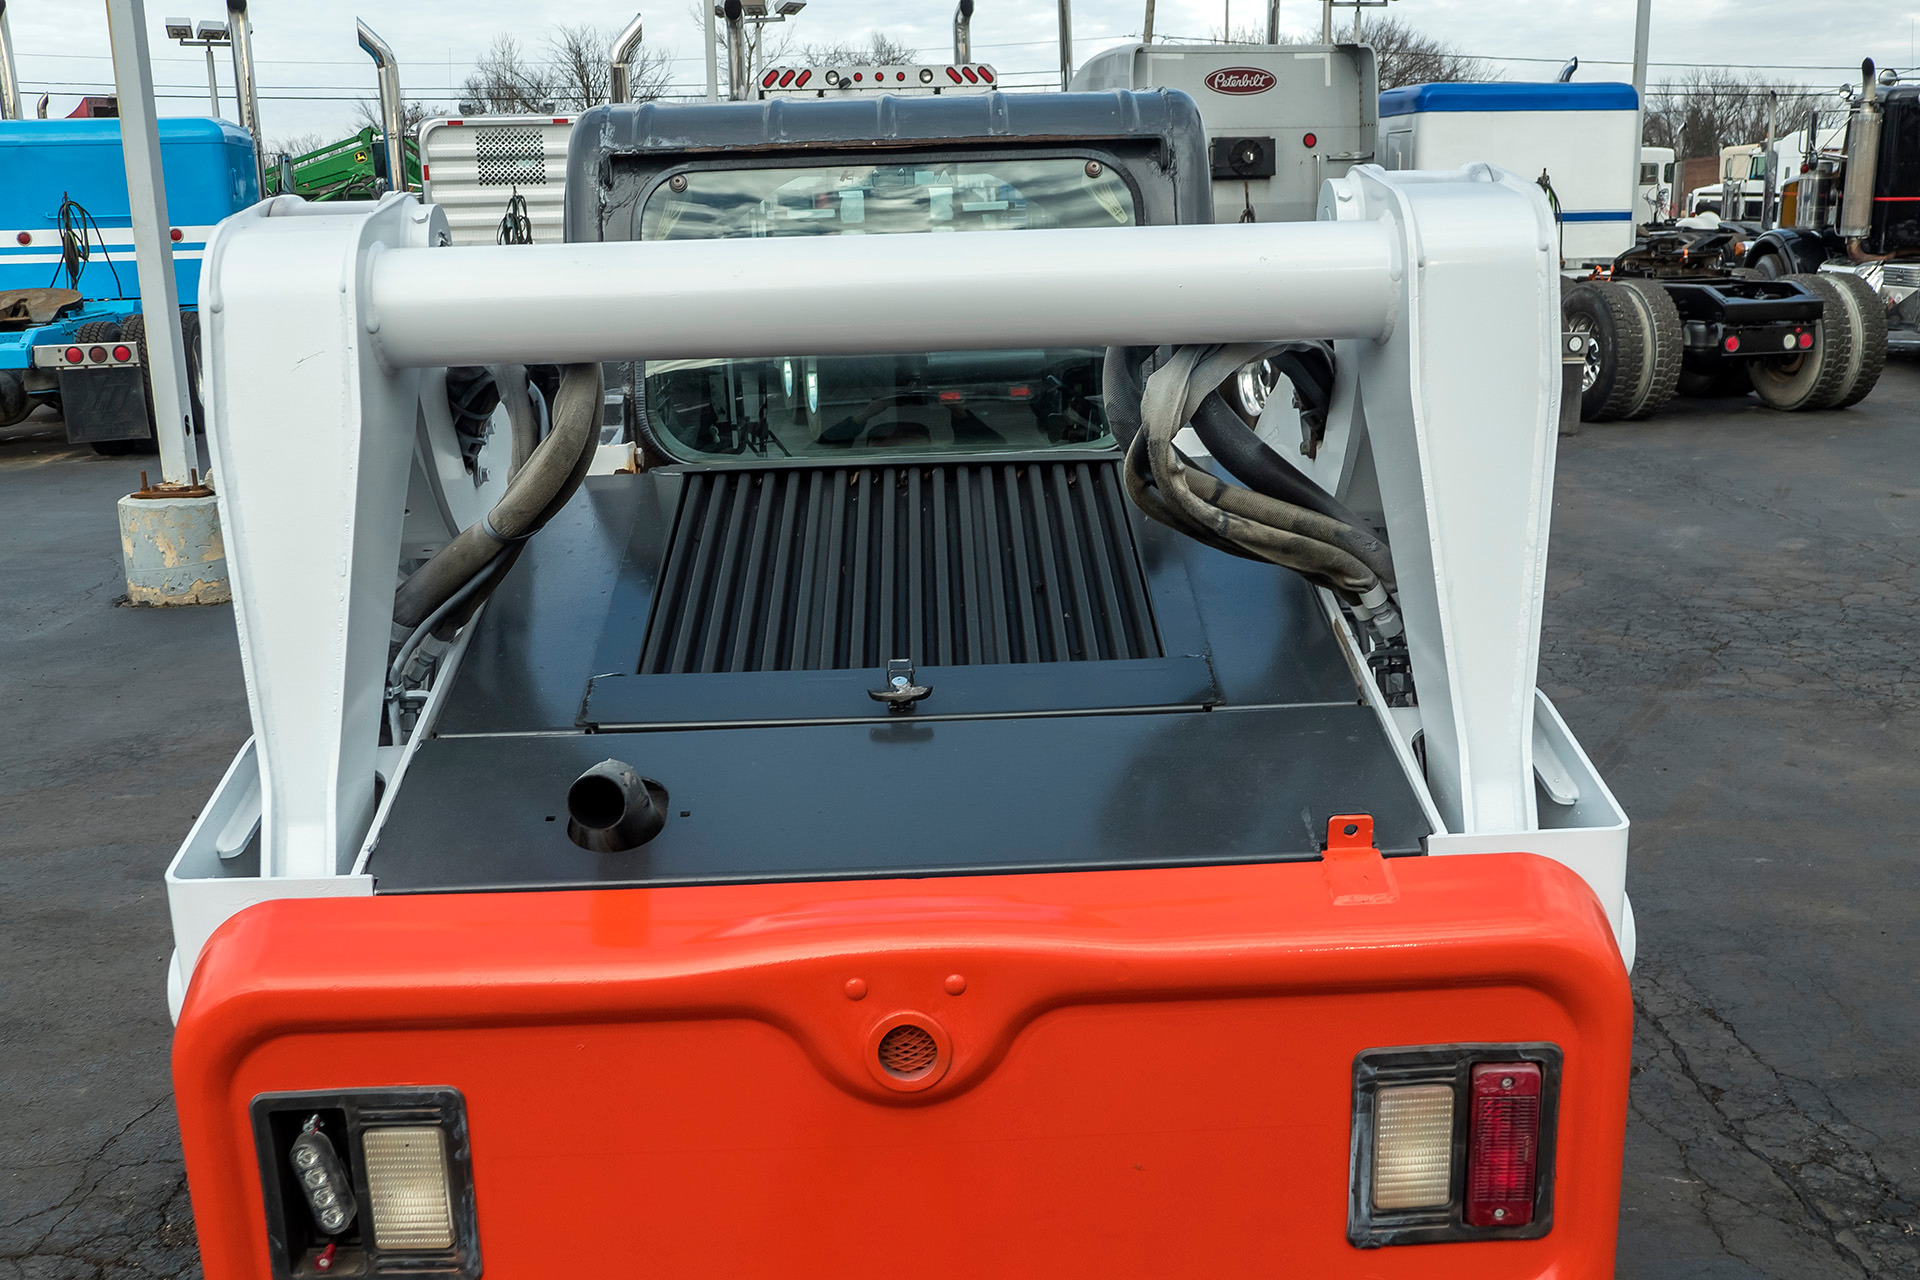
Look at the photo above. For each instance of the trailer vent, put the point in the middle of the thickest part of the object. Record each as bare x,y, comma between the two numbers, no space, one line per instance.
949,565
508,157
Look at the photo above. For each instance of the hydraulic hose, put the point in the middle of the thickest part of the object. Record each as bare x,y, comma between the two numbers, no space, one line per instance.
552,473
1303,536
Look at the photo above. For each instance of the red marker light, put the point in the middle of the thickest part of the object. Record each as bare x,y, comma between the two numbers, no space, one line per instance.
786,79
123,354
986,76
1806,340
953,75
25,237
1503,1144
856,76
802,81
98,355
1733,342
75,355
175,235
1020,393
559,119
1309,140
766,81
949,397
969,73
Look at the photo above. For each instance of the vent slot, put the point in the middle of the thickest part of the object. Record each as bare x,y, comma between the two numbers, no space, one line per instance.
949,565
506,157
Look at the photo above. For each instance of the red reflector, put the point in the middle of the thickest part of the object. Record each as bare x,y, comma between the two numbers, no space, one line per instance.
1733,342
857,75
559,119
968,72
175,235
75,355
98,355
25,237
986,76
1309,140
123,354
426,172
1503,1144
1806,340
1020,393
899,75
953,75
802,81
786,78
949,397
766,81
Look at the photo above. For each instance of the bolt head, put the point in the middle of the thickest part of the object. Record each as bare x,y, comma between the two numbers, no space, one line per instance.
1095,168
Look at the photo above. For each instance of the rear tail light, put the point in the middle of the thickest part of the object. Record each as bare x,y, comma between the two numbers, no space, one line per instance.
1503,1144
1806,341
75,355
322,1179
408,1196
122,354
1453,1142
97,354
1733,342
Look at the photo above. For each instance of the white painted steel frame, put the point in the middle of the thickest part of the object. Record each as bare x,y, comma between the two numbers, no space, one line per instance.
1441,290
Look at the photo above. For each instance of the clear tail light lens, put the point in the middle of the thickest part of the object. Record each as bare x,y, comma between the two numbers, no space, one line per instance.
1503,1146
1413,1146
408,1196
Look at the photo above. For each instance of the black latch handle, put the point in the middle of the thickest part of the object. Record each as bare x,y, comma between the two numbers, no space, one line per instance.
901,692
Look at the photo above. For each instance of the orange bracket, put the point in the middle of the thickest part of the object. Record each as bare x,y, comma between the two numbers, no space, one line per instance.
1357,876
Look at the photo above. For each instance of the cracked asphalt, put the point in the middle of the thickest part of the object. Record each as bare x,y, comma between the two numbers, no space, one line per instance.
1730,631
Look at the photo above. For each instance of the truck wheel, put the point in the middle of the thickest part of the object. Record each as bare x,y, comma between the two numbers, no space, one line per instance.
15,403
1618,365
1817,377
1870,328
97,331
1771,266
1666,344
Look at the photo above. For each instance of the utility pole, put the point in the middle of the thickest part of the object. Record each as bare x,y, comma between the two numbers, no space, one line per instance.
1146,30
163,353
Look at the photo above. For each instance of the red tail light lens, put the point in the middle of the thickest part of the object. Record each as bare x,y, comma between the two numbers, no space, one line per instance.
768,79
75,355
123,354
954,76
801,81
98,355
1806,341
1733,342
1503,1148
972,76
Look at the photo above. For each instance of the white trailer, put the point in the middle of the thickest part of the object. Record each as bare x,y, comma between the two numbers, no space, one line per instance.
1576,139
1280,119
472,167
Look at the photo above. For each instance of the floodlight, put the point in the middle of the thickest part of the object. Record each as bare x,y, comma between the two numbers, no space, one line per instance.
754,8
792,7
179,29
213,30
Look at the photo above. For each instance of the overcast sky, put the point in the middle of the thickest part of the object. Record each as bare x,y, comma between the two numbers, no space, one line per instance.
311,70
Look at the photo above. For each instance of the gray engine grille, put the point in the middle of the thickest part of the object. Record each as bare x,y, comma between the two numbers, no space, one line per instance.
946,565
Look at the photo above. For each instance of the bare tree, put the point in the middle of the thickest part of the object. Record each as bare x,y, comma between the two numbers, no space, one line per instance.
297,144
1408,56
581,60
1710,107
508,79
366,112
879,50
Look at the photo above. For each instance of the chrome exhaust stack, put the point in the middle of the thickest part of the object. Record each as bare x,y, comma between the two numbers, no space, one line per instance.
392,116
621,84
736,50
9,77
962,32
245,91
1863,159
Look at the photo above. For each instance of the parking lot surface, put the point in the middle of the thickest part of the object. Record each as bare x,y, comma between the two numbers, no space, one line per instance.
1730,630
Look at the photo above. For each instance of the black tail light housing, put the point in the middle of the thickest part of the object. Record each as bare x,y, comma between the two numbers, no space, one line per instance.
1504,1113
297,1246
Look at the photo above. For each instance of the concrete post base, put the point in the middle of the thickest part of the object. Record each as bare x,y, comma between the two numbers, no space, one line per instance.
173,550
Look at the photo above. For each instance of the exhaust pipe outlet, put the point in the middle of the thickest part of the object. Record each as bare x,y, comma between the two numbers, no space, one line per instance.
9,77
392,121
620,88
963,32
1863,160
611,808
1066,44
736,50
245,91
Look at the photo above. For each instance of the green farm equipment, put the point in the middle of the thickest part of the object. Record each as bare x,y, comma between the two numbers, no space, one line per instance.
353,168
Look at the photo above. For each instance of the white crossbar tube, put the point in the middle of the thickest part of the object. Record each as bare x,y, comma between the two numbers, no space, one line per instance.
853,295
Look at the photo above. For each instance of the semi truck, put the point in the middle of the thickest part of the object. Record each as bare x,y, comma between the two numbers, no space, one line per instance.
920,788
1856,209
1664,312
71,329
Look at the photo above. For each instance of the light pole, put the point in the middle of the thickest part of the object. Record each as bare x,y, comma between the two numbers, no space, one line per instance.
1326,15
753,13
208,36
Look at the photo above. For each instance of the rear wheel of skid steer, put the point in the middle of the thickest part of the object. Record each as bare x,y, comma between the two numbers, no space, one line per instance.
1817,377
1869,314
1665,344
1619,366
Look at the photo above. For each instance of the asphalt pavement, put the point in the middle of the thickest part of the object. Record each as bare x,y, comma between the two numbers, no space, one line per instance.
1729,630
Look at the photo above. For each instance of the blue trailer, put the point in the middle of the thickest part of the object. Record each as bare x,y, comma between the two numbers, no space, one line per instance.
71,331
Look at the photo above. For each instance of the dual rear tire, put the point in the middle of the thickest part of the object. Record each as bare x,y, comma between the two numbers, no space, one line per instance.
1633,358
1849,349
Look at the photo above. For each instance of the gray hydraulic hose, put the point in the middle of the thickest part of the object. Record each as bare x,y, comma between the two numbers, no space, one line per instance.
549,478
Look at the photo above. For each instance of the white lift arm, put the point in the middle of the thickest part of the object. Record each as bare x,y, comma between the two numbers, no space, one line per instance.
322,322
